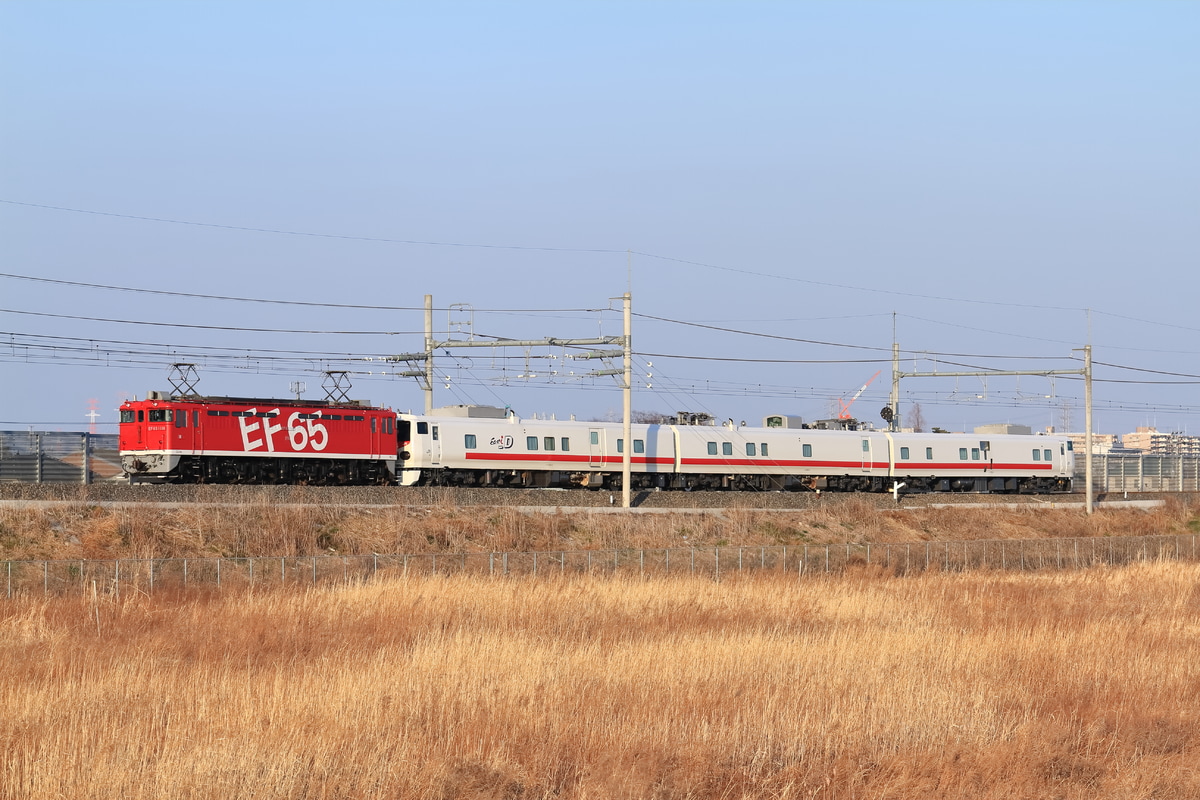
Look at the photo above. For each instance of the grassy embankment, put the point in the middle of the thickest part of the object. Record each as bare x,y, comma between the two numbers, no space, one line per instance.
260,528
959,685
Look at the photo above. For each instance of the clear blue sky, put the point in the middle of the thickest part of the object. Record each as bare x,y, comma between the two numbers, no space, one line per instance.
985,172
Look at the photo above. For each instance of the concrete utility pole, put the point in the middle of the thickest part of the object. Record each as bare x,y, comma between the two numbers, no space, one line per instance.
627,407
1086,372
426,373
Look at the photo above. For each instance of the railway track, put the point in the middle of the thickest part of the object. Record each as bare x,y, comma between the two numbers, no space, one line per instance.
529,498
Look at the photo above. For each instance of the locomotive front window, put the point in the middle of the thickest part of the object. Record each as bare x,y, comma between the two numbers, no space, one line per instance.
127,415
422,428
160,415
712,448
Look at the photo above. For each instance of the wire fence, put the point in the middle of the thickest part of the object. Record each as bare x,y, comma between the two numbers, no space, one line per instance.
58,577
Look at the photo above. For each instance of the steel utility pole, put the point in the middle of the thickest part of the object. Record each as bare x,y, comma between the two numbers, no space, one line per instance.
1086,372
425,374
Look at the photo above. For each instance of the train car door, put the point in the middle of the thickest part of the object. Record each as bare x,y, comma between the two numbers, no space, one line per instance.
595,447
867,460
435,446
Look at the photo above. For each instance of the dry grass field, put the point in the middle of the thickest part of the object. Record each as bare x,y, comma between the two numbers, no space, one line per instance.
959,685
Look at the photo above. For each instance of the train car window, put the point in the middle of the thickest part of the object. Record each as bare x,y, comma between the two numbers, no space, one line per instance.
962,454
639,446
1037,454
1048,455
127,415
333,416
712,448
195,418
372,424
160,415
726,448
267,414
566,444
620,445
422,428
531,443
763,449
929,453
806,450
181,419
751,450
866,445
141,416
435,433
974,453
904,453
548,443
354,418
594,437
469,441
1070,446
213,413
387,425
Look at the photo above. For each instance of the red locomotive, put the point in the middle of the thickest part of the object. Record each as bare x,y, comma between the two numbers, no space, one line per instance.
238,440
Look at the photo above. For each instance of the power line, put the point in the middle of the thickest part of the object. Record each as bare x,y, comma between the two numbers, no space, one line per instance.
311,233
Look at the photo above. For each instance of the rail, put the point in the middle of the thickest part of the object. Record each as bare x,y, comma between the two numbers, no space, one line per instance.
57,577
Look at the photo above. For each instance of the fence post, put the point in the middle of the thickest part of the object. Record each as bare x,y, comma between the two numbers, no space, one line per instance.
717,559
283,571
117,578
218,572
86,460
45,577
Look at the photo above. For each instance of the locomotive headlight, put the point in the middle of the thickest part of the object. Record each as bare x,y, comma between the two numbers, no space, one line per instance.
405,455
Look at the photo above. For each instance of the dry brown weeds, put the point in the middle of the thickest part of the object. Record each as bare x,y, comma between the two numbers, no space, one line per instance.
263,528
976,685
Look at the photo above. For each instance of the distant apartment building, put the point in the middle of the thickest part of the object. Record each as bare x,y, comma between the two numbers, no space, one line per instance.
1150,440
1101,442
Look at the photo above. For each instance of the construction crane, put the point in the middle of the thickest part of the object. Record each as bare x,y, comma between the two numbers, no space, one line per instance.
844,412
